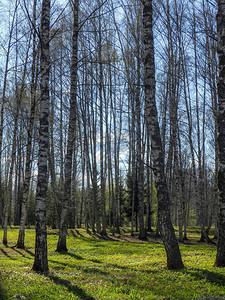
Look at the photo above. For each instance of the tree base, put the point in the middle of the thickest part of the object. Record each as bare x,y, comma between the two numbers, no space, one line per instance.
61,249
142,236
206,240
103,233
219,263
175,267
117,231
20,246
37,269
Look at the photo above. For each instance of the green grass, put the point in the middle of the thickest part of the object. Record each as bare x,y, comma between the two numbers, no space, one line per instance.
109,269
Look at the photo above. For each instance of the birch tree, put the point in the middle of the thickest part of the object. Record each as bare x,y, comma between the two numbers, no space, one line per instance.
3,98
41,260
61,246
26,183
174,260
220,257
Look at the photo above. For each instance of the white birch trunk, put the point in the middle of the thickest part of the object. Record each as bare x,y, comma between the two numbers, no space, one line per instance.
41,259
174,260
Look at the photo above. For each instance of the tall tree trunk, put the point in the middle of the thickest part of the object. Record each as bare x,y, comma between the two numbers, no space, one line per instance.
200,199
103,232
149,192
3,98
61,120
18,100
133,167
220,257
26,183
41,257
212,73
178,193
117,136
71,135
83,167
93,142
73,220
174,260
140,163
51,154
108,143
9,187
17,188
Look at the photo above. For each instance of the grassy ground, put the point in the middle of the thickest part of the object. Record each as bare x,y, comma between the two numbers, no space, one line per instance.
120,268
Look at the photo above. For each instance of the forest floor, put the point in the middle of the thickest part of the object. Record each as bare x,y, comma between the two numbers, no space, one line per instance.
120,267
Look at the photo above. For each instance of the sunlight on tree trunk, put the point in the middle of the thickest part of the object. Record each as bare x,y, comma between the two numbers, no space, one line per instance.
41,258
174,260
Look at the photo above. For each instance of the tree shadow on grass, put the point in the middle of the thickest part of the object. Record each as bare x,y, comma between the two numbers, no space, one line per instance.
29,252
78,233
6,254
96,261
65,264
20,252
102,237
94,235
71,232
76,256
210,276
71,288
92,270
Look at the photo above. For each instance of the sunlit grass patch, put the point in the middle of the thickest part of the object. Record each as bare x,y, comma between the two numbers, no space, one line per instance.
95,268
